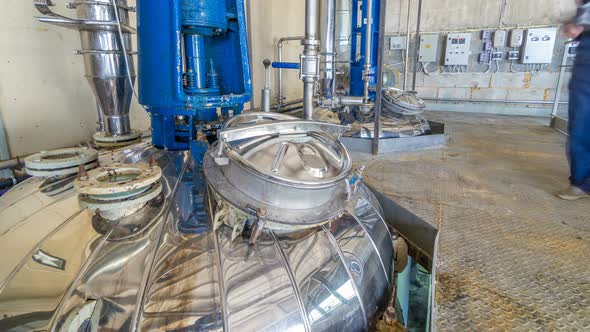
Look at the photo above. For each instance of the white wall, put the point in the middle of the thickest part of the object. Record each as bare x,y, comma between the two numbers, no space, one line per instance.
45,100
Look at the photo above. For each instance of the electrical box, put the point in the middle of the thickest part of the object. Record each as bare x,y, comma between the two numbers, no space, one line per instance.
428,48
457,49
397,43
499,38
516,38
486,35
538,46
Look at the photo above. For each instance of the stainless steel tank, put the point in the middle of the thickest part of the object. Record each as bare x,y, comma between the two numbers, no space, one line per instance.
314,255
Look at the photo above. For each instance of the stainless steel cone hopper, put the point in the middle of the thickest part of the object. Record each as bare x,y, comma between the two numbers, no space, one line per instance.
105,36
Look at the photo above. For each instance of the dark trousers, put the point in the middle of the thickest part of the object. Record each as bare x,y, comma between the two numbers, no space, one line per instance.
578,148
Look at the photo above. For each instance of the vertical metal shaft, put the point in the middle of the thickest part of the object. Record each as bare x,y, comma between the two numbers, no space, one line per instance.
407,60
265,97
310,58
280,96
196,61
328,39
416,45
377,124
368,48
249,30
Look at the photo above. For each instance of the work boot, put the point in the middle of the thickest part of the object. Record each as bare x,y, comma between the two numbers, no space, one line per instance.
572,193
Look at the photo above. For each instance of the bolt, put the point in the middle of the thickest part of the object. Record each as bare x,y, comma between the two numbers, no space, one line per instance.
153,161
82,174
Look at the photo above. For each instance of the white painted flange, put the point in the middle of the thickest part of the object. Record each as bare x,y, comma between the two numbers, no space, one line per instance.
105,140
119,208
60,162
118,190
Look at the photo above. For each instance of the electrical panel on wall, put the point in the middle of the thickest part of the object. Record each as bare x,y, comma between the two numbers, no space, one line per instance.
397,43
538,46
457,49
428,48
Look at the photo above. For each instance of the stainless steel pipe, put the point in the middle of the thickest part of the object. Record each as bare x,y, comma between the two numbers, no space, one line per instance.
310,61
407,57
368,44
265,93
281,97
328,19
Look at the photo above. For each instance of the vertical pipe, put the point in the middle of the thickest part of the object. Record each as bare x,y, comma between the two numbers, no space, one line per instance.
379,93
368,46
309,66
328,40
280,97
101,125
416,44
265,98
560,81
406,60
249,33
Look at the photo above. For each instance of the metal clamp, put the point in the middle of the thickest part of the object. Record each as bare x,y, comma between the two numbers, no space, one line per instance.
309,66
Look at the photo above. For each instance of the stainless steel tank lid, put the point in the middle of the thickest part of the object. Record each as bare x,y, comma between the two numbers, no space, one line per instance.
285,150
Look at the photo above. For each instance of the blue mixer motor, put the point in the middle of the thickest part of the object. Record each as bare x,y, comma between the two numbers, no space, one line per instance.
193,69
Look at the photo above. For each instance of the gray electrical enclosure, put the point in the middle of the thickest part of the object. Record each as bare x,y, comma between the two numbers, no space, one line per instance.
428,48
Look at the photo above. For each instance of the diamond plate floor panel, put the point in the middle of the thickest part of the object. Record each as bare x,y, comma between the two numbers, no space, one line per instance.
512,256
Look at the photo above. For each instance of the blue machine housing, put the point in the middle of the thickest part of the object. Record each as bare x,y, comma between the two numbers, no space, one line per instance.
193,65
359,26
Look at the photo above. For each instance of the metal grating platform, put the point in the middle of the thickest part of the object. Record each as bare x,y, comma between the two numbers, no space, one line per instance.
512,256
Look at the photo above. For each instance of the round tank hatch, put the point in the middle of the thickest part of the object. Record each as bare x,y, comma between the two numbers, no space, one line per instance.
283,161
293,170
60,162
308,158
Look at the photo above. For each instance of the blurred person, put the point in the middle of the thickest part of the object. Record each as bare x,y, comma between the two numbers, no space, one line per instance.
578,146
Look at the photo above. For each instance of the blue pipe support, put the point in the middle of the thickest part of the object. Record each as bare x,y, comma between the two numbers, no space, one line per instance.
359,27
286,65
203,39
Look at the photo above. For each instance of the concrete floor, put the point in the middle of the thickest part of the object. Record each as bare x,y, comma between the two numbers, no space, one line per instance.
512,256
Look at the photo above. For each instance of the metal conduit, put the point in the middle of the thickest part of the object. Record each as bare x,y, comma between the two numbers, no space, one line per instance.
281,97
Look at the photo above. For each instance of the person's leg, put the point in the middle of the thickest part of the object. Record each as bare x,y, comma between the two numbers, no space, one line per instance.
579,128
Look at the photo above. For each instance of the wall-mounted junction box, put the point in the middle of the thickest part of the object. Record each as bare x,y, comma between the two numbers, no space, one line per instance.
428,48
499,38
457,49
538,46
397,43
516,38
